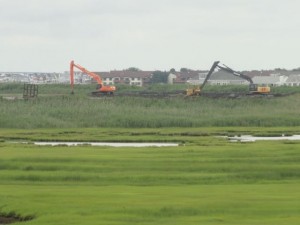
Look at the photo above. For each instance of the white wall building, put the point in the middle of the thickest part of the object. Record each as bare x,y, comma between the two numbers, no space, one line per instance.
293,80
272,80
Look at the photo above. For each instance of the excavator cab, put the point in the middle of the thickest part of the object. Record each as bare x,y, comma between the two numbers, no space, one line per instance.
193,91
259,89
196,89
253,88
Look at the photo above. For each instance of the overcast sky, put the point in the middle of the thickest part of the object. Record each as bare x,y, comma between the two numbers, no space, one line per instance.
103,35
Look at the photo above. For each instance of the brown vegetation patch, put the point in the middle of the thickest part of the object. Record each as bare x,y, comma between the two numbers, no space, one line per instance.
13,218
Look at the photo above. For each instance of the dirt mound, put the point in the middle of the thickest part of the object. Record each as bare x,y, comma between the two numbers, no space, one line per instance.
8,219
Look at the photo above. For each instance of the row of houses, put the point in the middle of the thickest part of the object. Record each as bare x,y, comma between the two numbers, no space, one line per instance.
223,78
133,78
28,77
142,78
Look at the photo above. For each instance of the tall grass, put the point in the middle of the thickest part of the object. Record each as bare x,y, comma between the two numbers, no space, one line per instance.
54,108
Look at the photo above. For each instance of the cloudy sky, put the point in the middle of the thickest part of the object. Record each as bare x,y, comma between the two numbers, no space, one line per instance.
102,35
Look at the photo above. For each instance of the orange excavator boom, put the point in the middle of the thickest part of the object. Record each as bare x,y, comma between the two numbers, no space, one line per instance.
101,88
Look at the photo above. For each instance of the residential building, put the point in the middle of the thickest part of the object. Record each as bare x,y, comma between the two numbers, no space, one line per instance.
293,80
272,80
224,78
142,78
186,77
133,78
198,77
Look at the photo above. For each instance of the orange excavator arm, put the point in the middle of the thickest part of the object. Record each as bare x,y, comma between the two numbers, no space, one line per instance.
100,86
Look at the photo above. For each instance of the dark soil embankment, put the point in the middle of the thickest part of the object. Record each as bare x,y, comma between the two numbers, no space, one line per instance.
8,219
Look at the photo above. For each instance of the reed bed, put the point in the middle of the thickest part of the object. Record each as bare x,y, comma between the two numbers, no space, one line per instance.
57,108
75,111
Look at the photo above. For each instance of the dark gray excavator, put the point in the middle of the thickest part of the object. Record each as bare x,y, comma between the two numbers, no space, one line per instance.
253,88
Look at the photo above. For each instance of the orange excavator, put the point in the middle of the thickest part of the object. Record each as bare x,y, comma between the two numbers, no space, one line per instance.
101,88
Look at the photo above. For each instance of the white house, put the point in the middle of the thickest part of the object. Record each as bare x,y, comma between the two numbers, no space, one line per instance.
224,78
133,78
191,77
272,80
293,80
197,80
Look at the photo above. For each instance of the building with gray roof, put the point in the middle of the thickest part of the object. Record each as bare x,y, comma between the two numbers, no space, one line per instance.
293,80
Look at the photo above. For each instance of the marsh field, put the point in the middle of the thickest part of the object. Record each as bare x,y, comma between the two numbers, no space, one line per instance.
57,108
205,180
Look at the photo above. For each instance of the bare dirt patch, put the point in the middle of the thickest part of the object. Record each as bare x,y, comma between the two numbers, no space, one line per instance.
12,218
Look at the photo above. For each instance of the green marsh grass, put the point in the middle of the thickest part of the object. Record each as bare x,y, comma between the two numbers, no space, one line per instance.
62,110
208,181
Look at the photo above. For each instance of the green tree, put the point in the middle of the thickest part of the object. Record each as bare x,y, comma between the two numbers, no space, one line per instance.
159,77
172,70
184,70
133,69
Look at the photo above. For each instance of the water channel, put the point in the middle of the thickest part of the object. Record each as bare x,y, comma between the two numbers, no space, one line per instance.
250,138
111,144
